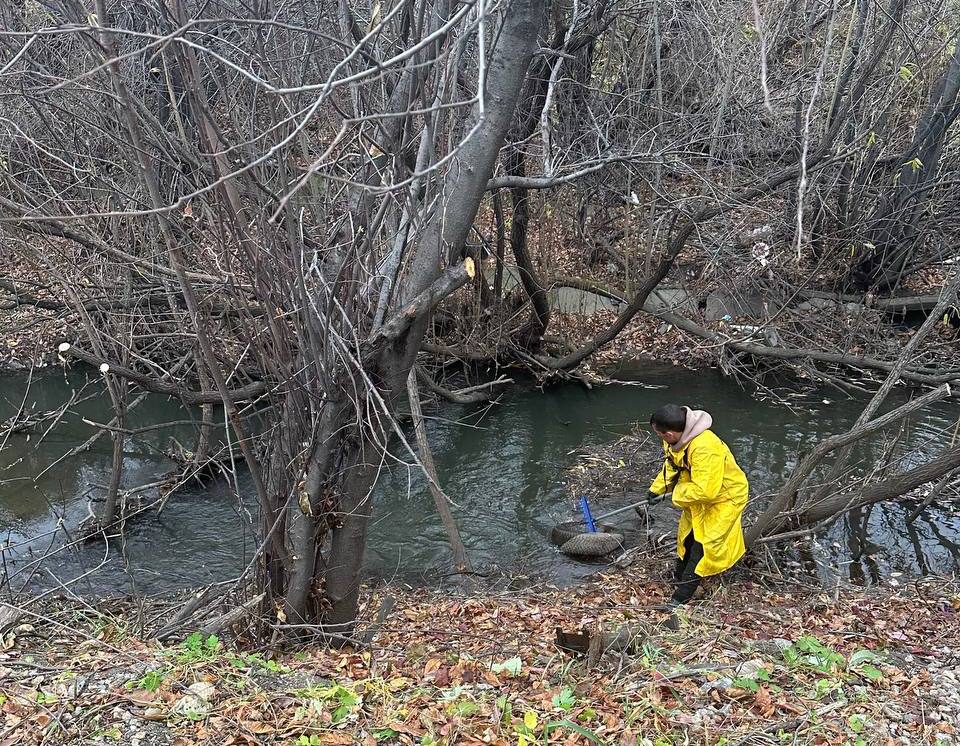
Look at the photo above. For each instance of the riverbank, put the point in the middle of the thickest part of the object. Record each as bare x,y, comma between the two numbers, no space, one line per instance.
756,662
35,322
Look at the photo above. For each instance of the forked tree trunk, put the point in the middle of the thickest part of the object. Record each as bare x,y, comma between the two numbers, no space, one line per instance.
356,450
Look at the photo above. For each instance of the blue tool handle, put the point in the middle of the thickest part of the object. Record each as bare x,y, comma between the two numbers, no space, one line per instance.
587,517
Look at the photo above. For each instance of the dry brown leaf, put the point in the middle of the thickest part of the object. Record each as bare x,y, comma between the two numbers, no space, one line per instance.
258,726
336,738
763,702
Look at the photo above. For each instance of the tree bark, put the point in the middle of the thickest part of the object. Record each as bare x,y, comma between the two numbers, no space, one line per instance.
501,245
531,334
108,514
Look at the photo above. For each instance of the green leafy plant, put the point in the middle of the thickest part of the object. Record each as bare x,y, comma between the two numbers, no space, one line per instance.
565,700
578,729
341,700
312,740
255,661
752,683
861,663
505,707
650,653
809,651
199,648
587,715
857,723
151,680
823,687
463,708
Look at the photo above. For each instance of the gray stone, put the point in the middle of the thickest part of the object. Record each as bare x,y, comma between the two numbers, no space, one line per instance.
721,304
722,683
750,669
670,299
191,705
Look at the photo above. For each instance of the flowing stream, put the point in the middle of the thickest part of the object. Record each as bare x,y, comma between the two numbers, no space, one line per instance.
504,466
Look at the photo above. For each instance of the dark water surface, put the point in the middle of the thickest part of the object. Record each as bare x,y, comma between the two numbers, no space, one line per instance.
503,465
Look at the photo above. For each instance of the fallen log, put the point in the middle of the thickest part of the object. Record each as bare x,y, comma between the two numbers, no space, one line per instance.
794,354
886,489
901,305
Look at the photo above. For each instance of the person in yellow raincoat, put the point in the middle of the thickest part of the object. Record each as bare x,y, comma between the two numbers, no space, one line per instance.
710,490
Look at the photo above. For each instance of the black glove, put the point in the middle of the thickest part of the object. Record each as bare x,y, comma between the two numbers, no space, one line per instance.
653,498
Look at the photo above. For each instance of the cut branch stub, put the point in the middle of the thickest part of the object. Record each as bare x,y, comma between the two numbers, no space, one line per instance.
454,278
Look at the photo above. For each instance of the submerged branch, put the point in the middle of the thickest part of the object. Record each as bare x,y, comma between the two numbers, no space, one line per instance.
187,396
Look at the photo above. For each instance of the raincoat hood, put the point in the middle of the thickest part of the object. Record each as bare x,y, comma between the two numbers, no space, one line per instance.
698,421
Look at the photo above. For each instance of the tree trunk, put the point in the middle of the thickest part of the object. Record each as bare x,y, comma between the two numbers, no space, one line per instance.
399,340
531,334
343,572
201,448
463,188
895,224
108,513
501,245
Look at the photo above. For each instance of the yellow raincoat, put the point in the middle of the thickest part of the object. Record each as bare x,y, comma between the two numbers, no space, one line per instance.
711,491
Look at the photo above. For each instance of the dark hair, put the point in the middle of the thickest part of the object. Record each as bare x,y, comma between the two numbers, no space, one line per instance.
669,417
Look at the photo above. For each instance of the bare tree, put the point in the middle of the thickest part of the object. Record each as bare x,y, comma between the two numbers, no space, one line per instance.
279,211
894,228
303,269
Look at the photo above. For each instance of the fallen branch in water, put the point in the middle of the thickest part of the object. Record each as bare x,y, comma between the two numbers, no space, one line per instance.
157,386
440,499
469,395
928,501
886,489
803,354
774,515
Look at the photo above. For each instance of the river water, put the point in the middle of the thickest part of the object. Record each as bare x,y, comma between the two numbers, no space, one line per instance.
503,465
